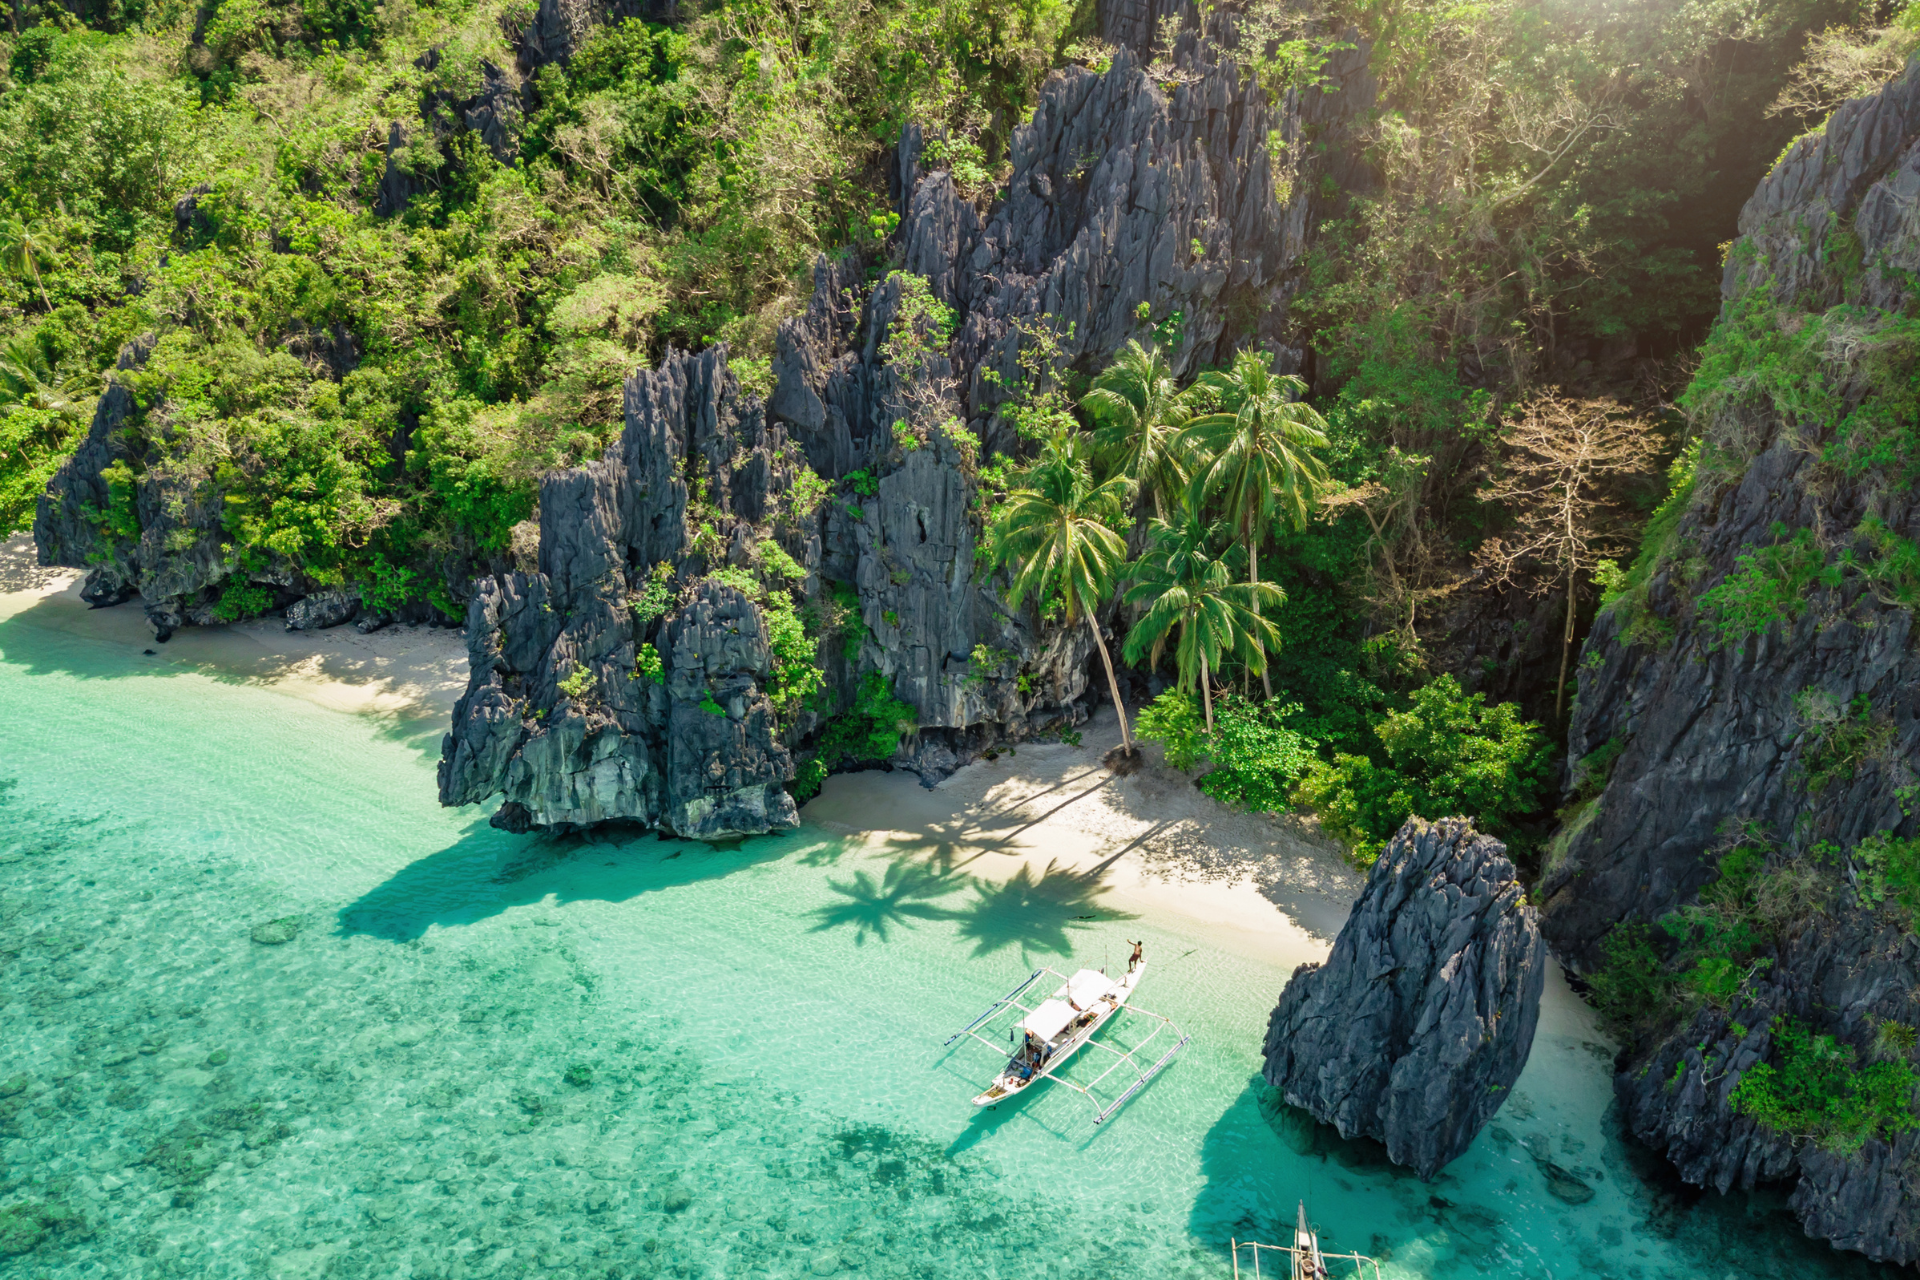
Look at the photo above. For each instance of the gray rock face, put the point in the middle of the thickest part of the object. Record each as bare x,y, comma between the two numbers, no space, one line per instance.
559,27
1860,172
323,609
69,520
699,754
1843,974
1419,1022
1713,732
1114,184
156,533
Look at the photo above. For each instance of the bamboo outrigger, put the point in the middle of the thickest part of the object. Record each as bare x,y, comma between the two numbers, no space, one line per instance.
1053,1030
1306,1261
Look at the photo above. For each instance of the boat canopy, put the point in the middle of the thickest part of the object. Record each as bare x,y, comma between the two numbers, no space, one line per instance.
1049,1019
1087,986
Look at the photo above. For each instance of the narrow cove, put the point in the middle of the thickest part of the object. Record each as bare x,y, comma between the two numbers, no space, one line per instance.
487,1055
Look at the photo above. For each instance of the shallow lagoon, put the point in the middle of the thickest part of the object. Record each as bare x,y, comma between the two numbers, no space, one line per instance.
482,1055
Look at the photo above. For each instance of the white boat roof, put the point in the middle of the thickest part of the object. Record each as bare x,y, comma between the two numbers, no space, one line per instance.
1049,1019
1087,986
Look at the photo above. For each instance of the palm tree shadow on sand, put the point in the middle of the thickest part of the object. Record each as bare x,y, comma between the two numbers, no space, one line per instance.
900,898
952,844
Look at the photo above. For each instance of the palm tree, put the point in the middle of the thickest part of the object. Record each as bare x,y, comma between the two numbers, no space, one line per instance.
1057,531
1260,444
1138,415
23,247
1192,599
30,380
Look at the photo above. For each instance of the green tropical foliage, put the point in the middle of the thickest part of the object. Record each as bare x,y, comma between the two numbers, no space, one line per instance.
1813,1088
1138,412
1058,532
1192,601
371,394
1447,754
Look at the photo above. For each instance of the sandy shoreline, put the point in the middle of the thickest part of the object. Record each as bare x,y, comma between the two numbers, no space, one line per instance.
399,672
1151,844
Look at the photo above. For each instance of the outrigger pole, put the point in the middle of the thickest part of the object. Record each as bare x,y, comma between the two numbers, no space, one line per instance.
1125,1057
996,1006
1361,1262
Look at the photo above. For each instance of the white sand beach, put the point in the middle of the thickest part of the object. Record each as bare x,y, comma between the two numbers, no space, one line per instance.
1151,842
1148,844
402,672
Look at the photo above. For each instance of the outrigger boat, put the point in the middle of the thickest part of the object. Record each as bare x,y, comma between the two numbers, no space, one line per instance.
1056,1028
1306,1260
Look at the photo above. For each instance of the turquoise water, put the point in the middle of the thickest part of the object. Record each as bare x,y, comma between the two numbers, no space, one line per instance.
484,1055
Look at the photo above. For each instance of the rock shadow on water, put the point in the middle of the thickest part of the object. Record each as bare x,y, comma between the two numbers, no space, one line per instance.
1740,1234
1456,1225
1262,1158
474,879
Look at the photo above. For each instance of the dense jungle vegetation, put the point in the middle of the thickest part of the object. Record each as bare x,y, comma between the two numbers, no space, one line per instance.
1500,319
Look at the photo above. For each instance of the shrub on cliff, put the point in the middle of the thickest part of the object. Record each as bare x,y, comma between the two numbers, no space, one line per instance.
1813,1090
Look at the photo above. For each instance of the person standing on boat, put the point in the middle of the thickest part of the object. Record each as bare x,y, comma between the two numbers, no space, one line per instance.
1133,961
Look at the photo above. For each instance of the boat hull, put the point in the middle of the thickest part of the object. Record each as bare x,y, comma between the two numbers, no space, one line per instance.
1009,1084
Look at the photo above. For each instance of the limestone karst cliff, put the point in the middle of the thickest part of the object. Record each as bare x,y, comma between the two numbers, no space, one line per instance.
1128,204
1747,709
1420,1020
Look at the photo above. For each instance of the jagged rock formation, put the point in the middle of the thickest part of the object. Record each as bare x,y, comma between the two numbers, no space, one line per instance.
1422,1017
141,525
1712,731
497,108
697,753
1121,194
144,519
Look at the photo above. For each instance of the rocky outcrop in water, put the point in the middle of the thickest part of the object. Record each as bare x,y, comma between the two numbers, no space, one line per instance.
1792,737
1420,1020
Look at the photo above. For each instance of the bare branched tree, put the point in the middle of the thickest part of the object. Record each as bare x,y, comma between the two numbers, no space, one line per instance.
1566,468
1400,562
1842,63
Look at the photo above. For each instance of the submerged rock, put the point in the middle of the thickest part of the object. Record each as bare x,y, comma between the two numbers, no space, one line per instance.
1562,1184
275,933
1420,1021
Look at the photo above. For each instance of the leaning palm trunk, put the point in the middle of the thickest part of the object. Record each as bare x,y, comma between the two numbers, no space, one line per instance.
1113,685
1253,576
1206,690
